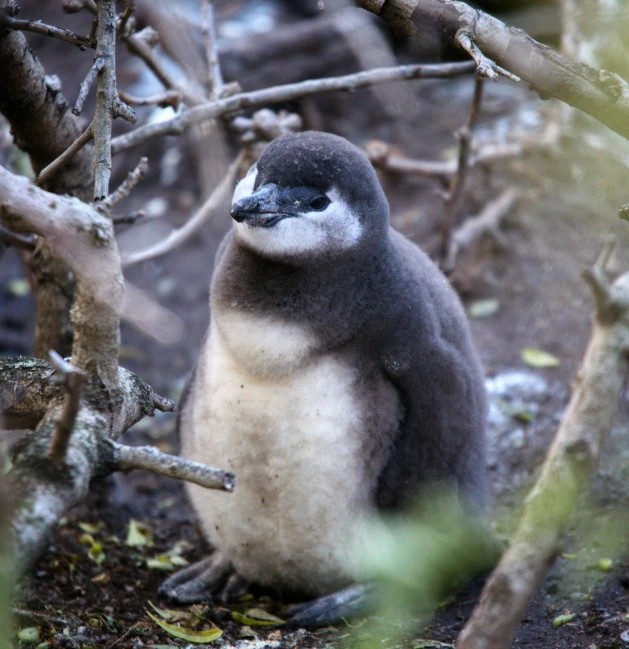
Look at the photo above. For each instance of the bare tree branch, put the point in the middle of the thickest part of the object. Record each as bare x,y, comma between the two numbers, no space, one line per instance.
126,458
211,49
48,173
73,379
485,67
108,105
85,238
258,98
487,222
598,93
382,156
82,42
163,99
133,178
86,84
457,184
43,127
216,200
568,465
141,44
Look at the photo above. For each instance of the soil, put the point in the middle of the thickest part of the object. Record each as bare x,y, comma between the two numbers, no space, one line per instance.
569,205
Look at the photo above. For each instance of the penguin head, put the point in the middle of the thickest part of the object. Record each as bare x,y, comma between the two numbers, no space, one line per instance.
310,194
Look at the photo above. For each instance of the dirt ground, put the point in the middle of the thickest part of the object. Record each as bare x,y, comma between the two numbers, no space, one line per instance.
569,205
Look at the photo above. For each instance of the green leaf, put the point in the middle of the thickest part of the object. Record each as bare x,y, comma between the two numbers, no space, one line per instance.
29,635
483,308
139,535
560,620
171,615
538,358
19,287
257,617
88,528
200,637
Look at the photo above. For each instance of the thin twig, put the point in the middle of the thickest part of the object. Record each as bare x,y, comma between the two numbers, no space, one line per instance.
22,241
73,379
125,17
487,222
84,88
211,49
81,41
126,458
162,404
278,94
382,156
218,197
141,45
457,183
47,173
133,178
163,99
41,617
485,67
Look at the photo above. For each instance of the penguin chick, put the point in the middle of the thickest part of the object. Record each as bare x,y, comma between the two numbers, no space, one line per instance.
337,378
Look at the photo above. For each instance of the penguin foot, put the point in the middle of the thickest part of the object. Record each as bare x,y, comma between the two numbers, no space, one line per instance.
332,608
211,577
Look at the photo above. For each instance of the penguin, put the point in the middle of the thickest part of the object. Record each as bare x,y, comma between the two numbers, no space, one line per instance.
338,379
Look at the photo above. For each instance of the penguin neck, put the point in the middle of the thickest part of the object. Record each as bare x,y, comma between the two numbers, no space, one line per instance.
331,295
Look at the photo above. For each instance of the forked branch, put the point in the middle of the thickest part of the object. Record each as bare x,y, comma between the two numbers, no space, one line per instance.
566,470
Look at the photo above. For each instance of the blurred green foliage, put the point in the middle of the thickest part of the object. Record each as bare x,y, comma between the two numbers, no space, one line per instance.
420,557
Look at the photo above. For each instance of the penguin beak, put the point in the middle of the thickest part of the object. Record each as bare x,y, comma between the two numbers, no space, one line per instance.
262,209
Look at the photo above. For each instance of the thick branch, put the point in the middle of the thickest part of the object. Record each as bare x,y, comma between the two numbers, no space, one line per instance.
258,98
570,461
599,93
43,127
126,458
85,239
28,387
40,119
108,104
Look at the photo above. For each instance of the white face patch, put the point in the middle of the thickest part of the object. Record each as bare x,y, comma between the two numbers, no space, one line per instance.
333,229
245,186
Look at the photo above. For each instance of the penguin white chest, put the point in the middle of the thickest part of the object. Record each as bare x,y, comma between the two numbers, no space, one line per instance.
286,420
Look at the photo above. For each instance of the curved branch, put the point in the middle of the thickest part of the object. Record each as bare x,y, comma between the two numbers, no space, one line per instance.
258,98
216,200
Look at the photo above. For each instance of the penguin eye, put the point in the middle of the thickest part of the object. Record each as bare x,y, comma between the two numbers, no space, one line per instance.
320,202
